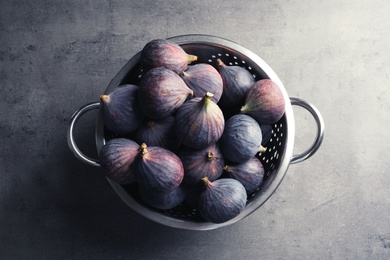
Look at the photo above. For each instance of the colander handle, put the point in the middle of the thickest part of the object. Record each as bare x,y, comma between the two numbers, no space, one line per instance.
320,129
71,142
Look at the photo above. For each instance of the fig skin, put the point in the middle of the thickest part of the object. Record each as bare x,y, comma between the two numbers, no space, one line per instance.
161,200
236,83
162,92
202,78
116,158
158,169
222,200
198,163
165,53
157,132
199,122
249,173
264,102
121,111
241,139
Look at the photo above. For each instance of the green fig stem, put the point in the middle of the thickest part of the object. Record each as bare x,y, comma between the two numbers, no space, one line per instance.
143,149
262,149
210,156
244,108
191,58
207,97
207,182
220,62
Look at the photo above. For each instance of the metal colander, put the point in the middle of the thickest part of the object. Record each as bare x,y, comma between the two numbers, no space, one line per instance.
276,159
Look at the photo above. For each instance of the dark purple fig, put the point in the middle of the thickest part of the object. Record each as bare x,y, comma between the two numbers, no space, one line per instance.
199,122
266,131
116,158
236,83
162,92
241,139
162,200
202,78
158,169
157,132
222,200
250,173
264,102
121,111
198,163
164,53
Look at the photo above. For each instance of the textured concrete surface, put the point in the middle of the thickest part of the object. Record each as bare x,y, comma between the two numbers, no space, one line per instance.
56,56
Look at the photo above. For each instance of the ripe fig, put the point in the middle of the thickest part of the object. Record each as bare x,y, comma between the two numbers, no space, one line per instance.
162,200
264,102
202,78
157,132
236,83
199,122
241,139
222,200
164,53
158,169
121,111
198,163
116,158
162,92
250,173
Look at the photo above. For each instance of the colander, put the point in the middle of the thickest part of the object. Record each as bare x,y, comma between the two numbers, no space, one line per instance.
276,159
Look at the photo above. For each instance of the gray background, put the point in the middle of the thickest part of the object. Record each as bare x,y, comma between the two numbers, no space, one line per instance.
59,55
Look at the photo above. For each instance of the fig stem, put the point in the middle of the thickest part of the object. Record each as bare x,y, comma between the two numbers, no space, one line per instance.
220,62
191,58
226,168
105,98
262,149
143,149
207,182
210,156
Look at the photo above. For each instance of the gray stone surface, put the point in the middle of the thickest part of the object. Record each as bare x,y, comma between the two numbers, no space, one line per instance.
56,56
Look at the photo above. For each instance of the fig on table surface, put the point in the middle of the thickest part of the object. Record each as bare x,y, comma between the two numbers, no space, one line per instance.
162,200
162,92
198,163
199,122
158,169
121,111
264,102
202,78
156,132
222,200
250,173
165,53
116,158
237,81
241,139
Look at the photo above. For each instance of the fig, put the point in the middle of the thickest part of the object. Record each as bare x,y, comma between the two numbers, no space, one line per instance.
236,83
222,200
198,163
199,122
157,132
121,111
266,131
264,102
162,92
202,78
241,139
116,158
165,53
158,169
250,173
162,200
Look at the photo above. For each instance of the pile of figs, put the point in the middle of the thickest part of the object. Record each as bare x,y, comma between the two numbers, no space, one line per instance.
189,133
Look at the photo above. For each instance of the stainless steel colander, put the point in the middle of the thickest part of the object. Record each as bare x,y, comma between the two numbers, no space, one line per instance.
276,159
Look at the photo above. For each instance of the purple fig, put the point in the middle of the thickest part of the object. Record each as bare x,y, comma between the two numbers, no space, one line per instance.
158,169
241,139
202,78
164,53
222,200
162,200
199,122
116,158
264,102
162,92
157,132
250,173
236,83
121,111
198,163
